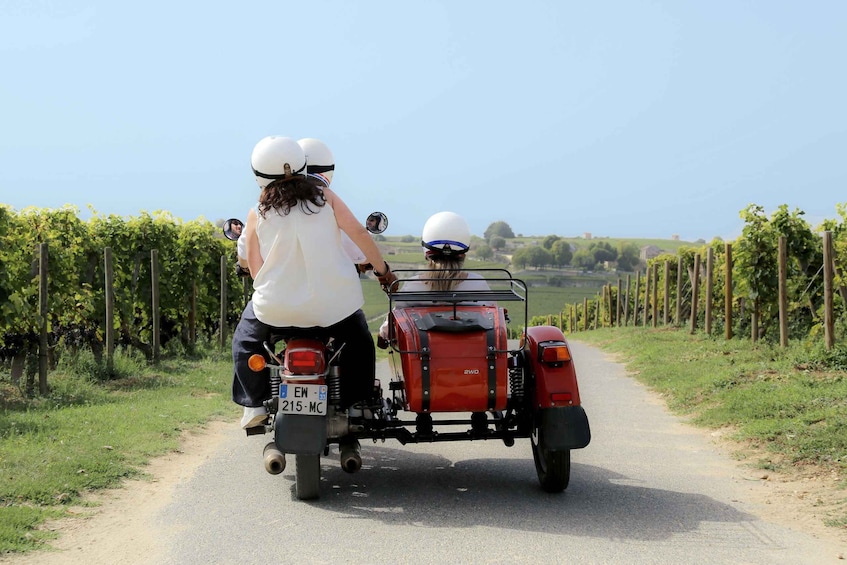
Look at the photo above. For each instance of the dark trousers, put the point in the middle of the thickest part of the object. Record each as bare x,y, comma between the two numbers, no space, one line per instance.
357,360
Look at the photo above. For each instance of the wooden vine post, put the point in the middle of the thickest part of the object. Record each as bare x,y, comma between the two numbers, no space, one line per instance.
710,285
695,289
782,277
223,303
646,296
667,298
43,314
192,316
829,320
655,297
109,273
154,299
626,300
618,309
677,320
637,293
728,292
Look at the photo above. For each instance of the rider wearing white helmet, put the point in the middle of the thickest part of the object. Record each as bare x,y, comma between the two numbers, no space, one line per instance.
446,240
303,282
320,164
319,159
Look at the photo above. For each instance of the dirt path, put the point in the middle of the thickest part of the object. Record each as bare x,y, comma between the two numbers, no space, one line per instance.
119,528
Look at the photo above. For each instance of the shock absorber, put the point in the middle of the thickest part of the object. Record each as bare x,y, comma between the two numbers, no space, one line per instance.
333,384
516,383
276,380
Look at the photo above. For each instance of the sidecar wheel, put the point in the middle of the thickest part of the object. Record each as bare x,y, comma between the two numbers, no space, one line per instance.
307,475
552,467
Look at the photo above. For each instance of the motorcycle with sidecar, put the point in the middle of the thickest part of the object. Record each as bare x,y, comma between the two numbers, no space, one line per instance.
455,376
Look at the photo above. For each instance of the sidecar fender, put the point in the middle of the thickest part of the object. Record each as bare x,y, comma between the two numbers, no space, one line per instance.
555,382
565,428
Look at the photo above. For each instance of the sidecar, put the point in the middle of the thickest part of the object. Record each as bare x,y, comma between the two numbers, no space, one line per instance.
457,373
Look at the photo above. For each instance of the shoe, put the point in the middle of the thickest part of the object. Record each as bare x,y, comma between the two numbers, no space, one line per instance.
253,416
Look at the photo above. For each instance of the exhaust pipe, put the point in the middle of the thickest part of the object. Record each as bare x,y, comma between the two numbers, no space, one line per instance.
351,459
274,459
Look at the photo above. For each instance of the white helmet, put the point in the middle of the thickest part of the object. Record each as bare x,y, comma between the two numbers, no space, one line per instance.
319,159
446,234
277,157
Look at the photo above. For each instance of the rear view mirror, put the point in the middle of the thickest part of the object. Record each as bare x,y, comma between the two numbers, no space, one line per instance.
377,222
233,228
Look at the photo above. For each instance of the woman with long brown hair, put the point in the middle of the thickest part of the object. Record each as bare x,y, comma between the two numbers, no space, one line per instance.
303,280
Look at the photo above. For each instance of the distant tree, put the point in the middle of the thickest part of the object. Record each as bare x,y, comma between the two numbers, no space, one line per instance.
539,257
408,238
500,228
628,256
561,252
584,259
497,242
549,241
482,251
603,251
520,258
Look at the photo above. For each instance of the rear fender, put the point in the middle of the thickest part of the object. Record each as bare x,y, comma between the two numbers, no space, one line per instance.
564,428
555,384
300,434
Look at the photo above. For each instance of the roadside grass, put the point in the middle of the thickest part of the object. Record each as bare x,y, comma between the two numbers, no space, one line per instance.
787,406
88,435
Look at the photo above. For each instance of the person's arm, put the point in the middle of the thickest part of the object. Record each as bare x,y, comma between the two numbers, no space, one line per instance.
254,256
355,230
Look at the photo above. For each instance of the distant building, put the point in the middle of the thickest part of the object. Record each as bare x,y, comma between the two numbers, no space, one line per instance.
649,252
675,237
586,235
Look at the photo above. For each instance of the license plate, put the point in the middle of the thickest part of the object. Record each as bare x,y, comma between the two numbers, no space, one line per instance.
304,399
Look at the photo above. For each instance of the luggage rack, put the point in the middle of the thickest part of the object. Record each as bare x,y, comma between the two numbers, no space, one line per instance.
504,288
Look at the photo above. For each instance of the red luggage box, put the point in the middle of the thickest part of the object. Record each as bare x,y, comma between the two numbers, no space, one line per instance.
453,363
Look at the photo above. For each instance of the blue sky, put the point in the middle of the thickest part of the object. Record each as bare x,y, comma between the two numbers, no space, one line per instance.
620,118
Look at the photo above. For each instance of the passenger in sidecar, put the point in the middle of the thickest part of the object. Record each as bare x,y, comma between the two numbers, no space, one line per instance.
447,327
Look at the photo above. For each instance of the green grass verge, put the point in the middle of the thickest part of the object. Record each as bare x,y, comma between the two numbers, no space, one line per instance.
788,403
87,436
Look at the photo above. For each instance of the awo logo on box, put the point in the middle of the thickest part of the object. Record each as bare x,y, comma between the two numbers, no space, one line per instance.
471,371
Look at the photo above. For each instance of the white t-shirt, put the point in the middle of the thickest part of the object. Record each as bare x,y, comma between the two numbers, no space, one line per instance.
307,280
351,249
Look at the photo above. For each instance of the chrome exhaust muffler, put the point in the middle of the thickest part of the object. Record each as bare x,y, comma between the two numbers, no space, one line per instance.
274,459
351,458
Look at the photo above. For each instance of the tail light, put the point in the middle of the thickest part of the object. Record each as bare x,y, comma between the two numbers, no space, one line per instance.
305,357
554,353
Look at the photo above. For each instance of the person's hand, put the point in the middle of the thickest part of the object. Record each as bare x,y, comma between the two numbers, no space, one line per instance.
364,267
386,279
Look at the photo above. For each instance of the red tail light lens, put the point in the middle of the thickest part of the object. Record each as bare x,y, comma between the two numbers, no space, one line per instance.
561,397
305,358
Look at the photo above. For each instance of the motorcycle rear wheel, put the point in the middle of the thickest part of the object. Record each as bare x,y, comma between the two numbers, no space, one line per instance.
307,475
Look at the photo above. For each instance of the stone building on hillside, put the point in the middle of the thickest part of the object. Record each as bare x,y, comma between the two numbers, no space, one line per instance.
649,251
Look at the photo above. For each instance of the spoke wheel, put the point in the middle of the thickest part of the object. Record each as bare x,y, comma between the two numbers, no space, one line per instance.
552,467
307,475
